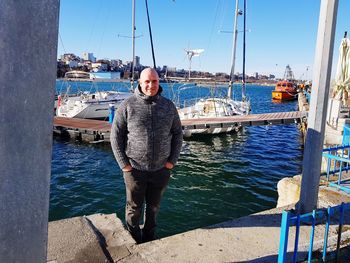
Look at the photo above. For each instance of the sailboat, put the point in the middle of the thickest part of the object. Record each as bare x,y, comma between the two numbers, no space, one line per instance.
213,106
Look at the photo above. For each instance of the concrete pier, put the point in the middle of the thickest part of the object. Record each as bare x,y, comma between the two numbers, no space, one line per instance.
254,238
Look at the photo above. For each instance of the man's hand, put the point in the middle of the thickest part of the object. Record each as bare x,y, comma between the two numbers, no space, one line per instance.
169,165
127,168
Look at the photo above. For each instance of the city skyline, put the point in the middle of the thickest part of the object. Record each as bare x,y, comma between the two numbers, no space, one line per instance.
92,64
280,33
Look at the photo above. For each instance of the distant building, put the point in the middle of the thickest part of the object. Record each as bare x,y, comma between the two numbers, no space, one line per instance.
72,63
263,77
116,64
89,56
128,65
71,60
99,66
69,57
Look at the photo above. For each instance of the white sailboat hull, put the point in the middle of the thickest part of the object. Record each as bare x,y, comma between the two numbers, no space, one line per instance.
213,108
190,132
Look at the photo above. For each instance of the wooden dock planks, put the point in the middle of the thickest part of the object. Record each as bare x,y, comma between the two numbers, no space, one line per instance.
82,124
101,129
252,119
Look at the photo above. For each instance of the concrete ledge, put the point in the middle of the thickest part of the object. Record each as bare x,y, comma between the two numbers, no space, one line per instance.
289,192
96,238
73,240
116,238
254,238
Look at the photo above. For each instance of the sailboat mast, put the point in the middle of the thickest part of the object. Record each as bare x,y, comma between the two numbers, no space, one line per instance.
244,33
133,46
233,55
189,68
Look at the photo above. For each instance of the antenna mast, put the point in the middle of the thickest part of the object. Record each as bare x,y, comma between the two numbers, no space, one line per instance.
133,45
244,33
233,56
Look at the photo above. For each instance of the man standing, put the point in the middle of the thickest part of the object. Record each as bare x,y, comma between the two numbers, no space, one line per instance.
146,139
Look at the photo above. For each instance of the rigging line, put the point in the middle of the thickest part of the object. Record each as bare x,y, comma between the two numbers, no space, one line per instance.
224,7
213,24
62,43
104,29
93,24
150,35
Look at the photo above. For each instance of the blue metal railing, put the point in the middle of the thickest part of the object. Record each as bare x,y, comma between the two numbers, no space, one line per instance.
338,161
329,216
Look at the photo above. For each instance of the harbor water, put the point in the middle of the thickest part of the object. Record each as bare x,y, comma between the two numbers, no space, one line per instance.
217,178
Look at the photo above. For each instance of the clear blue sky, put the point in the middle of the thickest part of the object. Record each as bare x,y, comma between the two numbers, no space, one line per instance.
281,32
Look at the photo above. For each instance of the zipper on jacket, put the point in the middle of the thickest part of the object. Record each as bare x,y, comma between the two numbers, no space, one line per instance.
152,133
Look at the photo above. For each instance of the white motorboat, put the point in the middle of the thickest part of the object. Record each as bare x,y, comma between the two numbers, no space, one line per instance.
90,105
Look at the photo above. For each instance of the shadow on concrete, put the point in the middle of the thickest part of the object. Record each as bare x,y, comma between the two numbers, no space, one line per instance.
273,220
271,258
257,220
101,240
274,258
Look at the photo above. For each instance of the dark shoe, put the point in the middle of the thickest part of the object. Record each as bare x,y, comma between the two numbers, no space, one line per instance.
148,236
136,234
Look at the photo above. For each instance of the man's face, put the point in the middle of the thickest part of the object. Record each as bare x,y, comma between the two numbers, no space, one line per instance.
149,82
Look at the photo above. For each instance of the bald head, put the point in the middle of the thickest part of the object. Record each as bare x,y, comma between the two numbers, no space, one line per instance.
149,81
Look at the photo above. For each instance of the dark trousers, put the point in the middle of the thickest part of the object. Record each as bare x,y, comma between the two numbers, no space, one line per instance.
148,187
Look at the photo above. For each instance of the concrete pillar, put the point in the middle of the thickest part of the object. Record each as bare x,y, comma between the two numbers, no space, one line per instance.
28,48
318,106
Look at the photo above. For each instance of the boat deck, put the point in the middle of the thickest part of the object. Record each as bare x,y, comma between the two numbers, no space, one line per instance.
98,131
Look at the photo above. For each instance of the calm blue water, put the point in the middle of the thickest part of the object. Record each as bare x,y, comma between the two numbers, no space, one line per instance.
217,178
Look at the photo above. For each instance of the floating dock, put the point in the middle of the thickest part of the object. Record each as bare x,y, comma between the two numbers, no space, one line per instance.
95,131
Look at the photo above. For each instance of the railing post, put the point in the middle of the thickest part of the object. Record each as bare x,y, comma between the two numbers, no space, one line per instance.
325,240
312,235
282,251
340,226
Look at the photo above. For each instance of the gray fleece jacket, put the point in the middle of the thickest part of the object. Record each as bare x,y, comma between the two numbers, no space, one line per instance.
146,132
